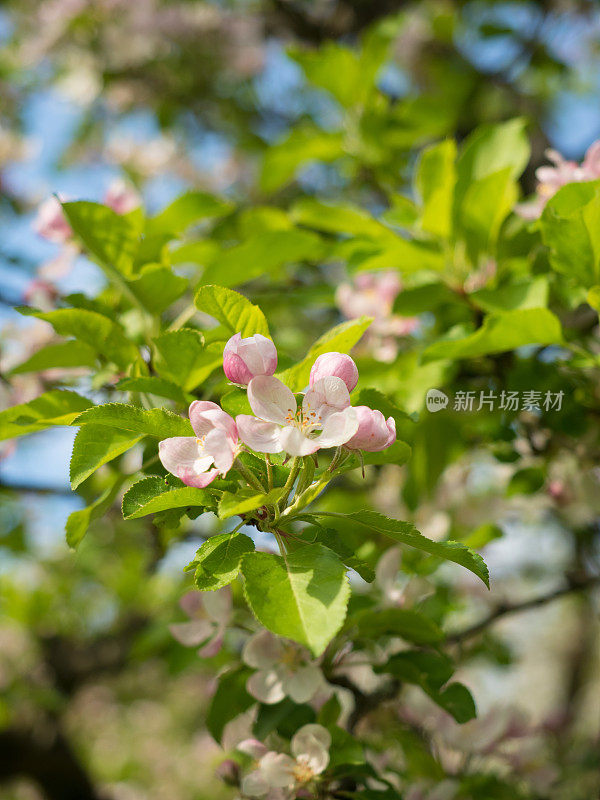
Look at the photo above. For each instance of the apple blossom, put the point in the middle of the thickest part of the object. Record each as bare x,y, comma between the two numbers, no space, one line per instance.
198,460
552,178
284,670
209,614
244,359
374,433
121,197
280,425
51,222
373,294
280,775
336,364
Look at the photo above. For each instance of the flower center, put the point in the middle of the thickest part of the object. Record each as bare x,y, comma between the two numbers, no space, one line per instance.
291,657
303,772
304,419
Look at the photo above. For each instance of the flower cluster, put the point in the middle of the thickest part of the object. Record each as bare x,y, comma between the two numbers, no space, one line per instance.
552,178
324,418
280,776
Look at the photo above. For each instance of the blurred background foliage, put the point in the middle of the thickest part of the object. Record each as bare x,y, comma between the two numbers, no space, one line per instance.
273,105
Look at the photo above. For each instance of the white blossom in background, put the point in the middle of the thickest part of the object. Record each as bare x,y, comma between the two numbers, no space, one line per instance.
209,614
279,776
284,669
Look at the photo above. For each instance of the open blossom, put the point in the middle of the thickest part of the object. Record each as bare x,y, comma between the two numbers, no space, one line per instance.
284,669
244,359
209,614
278,775
279,425
374,433
198,460
336,364
372,294
552,178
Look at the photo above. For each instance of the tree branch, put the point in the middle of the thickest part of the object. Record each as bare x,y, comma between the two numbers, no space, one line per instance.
504,609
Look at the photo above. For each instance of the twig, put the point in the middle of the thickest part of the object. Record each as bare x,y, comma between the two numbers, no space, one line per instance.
504,609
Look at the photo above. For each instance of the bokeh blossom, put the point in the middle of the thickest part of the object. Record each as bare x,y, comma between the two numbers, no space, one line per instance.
373,294
209,614
552,178
284,669
198,460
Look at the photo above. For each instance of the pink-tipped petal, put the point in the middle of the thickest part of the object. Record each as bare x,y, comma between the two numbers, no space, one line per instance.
339,427
253,748
336,364
244,359
264,437
51,222
325,396
374,431
271,400
218,605
218,446
189,634
204,416
183,454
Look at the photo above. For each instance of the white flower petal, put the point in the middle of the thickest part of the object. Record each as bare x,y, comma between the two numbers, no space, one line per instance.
192,633
262,651
311,744
253,748
219,447
258,435
303,684
325,396
271,400
339,427
278,770
266,686
218,605
294,442
254,784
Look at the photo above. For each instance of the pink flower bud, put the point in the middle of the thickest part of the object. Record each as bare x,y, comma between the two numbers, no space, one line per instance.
244,359
337,364
374,431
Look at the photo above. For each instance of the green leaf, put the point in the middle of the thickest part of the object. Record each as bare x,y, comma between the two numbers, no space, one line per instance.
217,561
155,386
500,333
423,298
340,339
151,495
434,181
233,310
97,331
406,533
332,540
184,358
409,624
263,254
94,446
514,296
246,500
62,354
485,205
593,298
79,521
345,219
235,402
431,671
108,236
157,287
187,210
571,230
229,701
157,422
57,407
304,144
302,596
